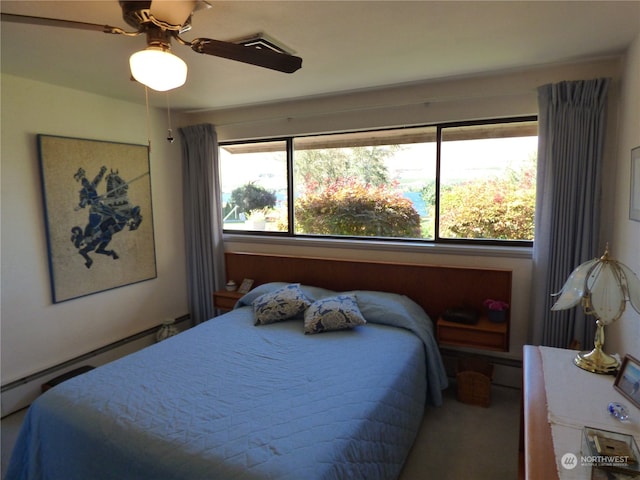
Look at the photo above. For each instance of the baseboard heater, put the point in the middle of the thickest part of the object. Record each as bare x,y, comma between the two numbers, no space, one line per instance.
19,394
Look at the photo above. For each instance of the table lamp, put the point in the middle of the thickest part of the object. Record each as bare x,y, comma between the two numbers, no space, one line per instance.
603,286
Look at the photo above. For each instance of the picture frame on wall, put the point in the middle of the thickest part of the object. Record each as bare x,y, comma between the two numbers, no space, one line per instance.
627,380
634,202
98,215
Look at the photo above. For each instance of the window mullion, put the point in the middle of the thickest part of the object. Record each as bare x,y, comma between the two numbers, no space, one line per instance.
436,227
290,197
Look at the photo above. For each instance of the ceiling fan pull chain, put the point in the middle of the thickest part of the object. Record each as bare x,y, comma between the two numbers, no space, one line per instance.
146,97
170,138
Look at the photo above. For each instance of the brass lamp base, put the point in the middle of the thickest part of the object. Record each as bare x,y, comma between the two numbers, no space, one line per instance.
596,361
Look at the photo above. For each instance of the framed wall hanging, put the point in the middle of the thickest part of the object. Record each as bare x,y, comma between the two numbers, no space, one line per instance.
634,204
98,215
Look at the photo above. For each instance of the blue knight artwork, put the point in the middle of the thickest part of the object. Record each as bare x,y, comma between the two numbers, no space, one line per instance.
109,213
98,214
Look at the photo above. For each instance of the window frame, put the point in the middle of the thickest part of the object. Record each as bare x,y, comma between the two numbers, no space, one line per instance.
437,240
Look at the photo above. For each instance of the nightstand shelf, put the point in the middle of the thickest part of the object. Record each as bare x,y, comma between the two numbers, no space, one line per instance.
225,300
485,335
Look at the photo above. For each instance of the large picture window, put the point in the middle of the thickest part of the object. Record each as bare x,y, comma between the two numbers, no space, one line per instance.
459,183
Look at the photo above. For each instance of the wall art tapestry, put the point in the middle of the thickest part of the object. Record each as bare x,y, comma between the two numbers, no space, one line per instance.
97,200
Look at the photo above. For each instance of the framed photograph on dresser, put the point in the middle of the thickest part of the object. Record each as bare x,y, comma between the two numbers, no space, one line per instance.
628,379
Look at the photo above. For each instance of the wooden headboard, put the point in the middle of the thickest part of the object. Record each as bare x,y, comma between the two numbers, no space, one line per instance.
434,288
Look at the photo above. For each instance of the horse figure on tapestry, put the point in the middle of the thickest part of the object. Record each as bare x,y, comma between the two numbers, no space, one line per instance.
109,213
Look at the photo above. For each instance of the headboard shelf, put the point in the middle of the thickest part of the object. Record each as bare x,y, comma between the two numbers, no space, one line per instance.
435,288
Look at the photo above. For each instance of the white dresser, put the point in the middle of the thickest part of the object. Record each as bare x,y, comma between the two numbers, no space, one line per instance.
559,399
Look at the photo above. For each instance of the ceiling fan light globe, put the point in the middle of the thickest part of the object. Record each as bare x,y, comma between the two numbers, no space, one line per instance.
158,69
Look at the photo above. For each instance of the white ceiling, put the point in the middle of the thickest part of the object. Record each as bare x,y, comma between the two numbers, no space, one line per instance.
345,45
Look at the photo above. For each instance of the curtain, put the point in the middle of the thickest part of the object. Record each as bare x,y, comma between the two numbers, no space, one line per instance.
202,219
572,117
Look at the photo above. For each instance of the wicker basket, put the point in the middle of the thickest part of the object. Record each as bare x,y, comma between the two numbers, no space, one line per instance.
474,376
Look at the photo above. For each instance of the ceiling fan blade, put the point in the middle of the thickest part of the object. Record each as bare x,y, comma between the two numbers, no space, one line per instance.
56,22
261,57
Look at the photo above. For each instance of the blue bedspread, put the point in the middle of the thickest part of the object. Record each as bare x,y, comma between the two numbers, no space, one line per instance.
229,400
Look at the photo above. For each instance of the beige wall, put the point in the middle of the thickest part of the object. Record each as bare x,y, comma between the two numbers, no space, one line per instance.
487,96
624,335
35,333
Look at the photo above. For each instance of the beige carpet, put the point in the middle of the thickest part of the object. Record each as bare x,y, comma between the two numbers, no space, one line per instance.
460,441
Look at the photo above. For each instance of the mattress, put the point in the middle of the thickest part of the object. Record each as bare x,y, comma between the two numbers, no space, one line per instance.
231,400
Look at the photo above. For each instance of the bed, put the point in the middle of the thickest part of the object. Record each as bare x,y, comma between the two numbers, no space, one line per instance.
229,399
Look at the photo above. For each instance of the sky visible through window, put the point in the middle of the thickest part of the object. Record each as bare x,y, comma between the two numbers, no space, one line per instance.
413,165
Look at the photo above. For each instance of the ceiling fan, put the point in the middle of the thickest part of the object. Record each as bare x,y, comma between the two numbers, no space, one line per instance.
162,21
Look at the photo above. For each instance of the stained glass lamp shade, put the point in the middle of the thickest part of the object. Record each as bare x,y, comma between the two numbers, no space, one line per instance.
603,286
